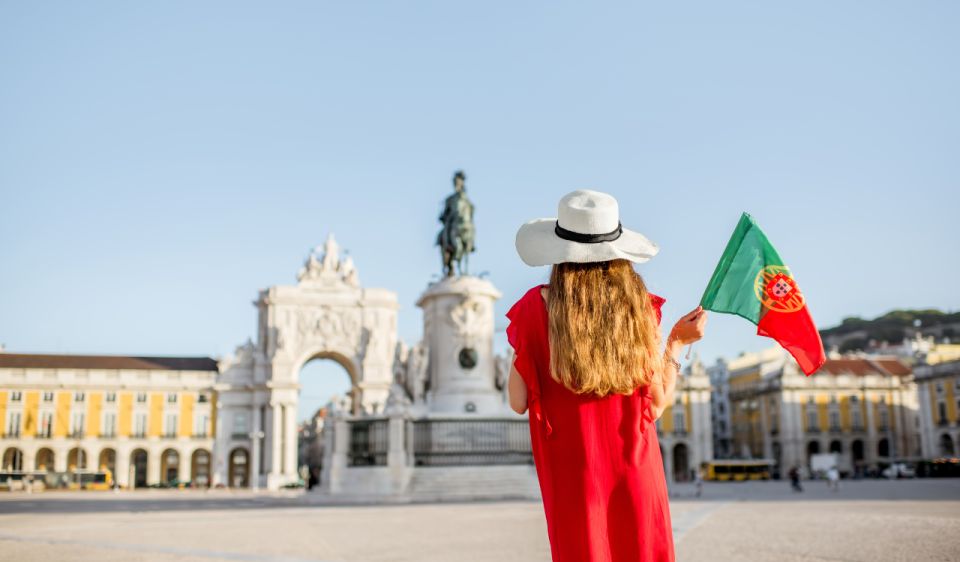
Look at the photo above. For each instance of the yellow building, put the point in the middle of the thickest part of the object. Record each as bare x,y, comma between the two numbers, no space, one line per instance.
938,389
863,408
684,429
146,420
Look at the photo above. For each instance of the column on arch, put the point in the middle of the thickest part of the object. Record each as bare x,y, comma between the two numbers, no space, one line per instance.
290,455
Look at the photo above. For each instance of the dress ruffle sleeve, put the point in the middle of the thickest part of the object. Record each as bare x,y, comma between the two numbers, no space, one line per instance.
523,317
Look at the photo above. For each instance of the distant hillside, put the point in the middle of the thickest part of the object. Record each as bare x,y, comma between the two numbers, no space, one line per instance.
856,333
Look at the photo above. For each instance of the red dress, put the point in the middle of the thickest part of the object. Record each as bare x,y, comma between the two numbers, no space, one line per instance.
598,459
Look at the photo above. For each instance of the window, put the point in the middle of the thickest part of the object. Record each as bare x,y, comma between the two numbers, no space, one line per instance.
13,424
111,397
170,426
203,421
140,425
679,420
939,387
79,396
109,424
48,397
78,424
46,425
240,424
141,397
834,420
203,399
884,415
812,421
172,398
856,417
16,396
941,413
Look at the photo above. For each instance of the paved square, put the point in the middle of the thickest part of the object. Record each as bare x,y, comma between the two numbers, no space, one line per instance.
864,521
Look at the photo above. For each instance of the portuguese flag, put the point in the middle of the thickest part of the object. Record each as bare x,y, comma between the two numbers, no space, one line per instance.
752,281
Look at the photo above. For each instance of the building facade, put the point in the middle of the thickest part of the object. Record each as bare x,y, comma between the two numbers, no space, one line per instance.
684,429
148,420
721,426
938,389
862,408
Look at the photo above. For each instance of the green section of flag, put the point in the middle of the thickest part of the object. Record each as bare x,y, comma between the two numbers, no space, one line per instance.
731,289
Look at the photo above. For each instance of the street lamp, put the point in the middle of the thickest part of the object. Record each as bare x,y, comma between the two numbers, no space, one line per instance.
255,437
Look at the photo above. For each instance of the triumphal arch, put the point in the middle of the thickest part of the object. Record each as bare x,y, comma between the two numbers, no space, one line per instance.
327,314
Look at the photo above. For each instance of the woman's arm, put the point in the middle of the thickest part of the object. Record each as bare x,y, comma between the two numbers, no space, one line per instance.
686,331
517,389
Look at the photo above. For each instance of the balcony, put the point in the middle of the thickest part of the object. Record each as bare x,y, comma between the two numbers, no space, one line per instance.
813,429
835,429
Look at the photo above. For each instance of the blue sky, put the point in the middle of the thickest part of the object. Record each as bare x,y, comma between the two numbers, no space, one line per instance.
161,162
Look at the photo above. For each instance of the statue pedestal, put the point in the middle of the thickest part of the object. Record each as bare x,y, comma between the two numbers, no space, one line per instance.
458,331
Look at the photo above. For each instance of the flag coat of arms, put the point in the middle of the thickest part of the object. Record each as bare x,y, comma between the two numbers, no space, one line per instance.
752,281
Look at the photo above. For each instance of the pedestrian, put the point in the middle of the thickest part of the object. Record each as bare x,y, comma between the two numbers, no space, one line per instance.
698,482
794,475
589,369
833,479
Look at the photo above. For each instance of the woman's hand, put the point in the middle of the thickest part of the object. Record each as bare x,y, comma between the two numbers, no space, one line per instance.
689,328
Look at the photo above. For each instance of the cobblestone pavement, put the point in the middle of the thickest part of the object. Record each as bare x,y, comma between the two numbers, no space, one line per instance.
865,520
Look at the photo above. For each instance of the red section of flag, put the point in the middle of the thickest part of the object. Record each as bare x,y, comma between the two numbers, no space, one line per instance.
796,332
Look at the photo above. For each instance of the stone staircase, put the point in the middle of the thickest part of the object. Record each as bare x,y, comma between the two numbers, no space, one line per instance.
469,483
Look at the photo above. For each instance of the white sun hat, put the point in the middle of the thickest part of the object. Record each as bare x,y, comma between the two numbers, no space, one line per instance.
587,229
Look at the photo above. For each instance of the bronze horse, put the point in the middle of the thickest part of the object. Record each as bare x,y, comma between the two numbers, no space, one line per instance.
456,238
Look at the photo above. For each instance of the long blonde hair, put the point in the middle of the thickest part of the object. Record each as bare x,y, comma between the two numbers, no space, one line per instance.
604,336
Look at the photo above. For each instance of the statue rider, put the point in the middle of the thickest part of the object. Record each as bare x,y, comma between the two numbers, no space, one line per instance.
456,238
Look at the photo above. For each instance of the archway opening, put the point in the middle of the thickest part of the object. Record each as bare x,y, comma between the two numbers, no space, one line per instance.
883,448
836,446
13,460
325,377
108,461
856,449
200,468
169,466
138,468
239,476
813,448
946,445
681,464
45,460
76,459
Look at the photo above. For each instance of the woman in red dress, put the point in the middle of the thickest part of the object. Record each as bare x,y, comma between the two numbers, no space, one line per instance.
589,369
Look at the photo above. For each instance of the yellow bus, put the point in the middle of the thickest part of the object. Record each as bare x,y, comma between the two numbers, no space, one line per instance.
91,480
737,469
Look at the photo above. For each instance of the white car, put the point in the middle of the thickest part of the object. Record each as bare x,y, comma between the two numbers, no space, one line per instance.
898,470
